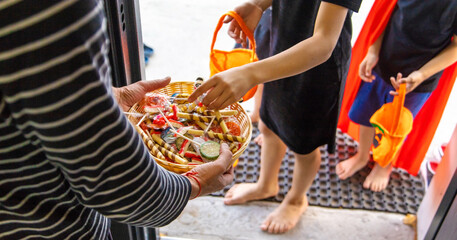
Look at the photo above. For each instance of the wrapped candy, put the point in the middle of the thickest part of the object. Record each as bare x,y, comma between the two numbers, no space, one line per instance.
153,101
171,128
168,136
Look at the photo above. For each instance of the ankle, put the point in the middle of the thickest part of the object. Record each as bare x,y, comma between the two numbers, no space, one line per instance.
269,189
297,200
362,157
387,168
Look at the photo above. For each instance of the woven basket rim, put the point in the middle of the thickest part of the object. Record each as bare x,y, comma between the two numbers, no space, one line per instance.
180,168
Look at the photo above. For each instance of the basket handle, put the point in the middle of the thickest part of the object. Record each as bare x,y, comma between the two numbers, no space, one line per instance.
398,103
243,26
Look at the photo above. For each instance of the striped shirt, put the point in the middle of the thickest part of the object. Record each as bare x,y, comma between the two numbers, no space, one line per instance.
69,159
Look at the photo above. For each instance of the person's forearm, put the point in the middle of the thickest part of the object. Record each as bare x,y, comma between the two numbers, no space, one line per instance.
305,55
376,46
263,4
293,61
445,58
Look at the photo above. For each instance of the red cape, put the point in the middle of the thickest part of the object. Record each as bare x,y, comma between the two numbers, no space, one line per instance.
416,144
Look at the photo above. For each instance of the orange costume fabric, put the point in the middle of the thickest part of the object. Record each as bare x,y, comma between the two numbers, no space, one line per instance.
416,145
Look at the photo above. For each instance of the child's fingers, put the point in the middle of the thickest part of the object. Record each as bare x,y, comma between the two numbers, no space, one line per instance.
231,34
217,103
399,76
406,80
228,19
367,70
393,93
200,90
243,37
227,103
394,83
221,103
236,34
366,78
410,83
212,95
232,29
362,74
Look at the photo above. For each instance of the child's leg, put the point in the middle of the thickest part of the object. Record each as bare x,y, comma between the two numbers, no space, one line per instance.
270,162
259,139
378,178
286,216
347,168
370,97
255,116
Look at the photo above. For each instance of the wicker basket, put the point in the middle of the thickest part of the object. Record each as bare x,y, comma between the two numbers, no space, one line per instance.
188,87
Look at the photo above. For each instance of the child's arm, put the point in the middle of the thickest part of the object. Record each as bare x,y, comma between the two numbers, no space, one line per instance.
445,58
370,60
229,86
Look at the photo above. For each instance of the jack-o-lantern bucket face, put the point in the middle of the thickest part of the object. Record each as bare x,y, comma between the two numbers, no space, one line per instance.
392,124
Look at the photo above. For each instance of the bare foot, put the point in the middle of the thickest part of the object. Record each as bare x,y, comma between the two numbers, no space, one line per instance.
378,178
347,168
241,193
259,139
285,217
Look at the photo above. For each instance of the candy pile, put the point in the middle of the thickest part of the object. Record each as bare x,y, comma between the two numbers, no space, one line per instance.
186,133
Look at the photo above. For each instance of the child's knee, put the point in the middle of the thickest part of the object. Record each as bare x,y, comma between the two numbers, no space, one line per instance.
313,155
264,129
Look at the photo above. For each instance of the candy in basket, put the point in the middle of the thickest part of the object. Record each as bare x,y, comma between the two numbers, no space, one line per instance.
181,135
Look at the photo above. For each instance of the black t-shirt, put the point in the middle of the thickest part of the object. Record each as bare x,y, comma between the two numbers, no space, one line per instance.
417,31
303,109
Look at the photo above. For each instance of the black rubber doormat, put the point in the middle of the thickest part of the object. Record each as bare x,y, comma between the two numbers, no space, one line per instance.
403,194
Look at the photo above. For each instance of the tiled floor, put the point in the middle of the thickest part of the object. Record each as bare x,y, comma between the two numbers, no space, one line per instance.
403,194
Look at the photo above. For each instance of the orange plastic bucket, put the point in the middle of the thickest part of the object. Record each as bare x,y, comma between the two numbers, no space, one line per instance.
392,123
222,60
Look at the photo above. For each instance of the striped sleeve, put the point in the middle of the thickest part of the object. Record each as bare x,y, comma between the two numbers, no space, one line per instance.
55,89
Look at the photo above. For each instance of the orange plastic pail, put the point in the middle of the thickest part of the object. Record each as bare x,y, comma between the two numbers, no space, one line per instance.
392,123
222,60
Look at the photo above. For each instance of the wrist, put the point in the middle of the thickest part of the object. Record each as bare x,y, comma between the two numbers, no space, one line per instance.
195,185
253,76
417,76
262,4
373,51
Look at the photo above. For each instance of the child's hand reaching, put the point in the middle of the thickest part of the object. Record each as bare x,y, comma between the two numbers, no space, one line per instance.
366,67
412,81
224,88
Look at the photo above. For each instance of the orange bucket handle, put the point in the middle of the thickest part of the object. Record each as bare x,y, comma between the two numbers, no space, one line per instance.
243,26
398,103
